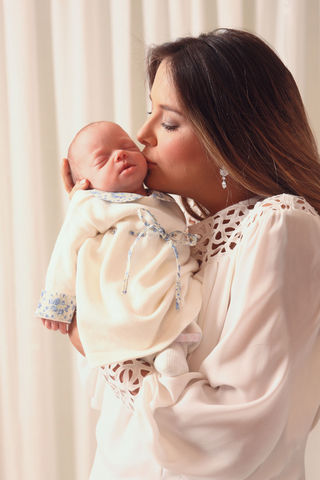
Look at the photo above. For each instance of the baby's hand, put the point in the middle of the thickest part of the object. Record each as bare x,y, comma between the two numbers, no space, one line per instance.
52,325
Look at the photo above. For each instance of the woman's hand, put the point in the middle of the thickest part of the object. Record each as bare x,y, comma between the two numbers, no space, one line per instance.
70,187
74,335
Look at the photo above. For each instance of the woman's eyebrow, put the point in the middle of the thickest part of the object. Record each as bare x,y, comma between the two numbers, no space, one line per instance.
167,107
170,109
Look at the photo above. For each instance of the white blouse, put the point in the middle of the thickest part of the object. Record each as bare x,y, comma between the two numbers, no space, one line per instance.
252,395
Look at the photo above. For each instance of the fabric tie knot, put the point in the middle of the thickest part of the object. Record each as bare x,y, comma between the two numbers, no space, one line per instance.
177,237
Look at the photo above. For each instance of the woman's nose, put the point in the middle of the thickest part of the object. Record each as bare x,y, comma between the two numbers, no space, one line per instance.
146,136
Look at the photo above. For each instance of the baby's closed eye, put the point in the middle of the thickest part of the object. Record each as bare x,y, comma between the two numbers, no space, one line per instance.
100,162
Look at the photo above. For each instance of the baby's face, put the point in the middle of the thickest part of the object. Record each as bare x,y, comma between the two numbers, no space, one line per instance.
109,159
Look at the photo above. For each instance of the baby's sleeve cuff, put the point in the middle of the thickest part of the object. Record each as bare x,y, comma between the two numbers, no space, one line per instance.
56,306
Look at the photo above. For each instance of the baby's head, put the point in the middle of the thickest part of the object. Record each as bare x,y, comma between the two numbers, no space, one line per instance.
103,153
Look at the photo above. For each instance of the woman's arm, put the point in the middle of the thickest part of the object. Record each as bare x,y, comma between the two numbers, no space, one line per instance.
239,414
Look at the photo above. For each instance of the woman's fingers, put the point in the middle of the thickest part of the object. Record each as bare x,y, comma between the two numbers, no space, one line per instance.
82,185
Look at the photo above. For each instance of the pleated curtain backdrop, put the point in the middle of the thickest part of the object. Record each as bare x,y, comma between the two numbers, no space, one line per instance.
65,63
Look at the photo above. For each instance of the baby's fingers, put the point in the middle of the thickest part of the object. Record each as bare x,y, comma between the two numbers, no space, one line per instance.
49,324
54,326
63,327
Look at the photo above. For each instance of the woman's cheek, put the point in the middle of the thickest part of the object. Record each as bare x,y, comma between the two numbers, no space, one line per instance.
171,150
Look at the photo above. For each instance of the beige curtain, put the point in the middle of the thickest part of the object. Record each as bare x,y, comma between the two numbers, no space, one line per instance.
65,63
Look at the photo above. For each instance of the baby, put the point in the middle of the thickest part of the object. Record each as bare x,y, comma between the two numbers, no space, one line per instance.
122,260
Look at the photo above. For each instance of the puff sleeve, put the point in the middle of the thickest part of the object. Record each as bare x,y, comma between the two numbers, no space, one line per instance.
251,402
85,218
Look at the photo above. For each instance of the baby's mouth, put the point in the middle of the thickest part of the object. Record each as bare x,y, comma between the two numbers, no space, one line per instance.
126,166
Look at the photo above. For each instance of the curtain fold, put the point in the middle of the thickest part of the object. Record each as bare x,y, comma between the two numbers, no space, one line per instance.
65,63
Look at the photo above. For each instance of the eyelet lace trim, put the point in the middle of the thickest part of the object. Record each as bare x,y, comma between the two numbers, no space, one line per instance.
221,233
286,201
125,378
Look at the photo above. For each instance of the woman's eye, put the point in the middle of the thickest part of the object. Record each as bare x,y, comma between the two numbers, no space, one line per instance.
169,126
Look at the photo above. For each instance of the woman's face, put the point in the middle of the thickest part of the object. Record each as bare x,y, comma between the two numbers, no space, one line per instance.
177,161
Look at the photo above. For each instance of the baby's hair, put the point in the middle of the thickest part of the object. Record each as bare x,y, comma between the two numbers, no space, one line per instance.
71,154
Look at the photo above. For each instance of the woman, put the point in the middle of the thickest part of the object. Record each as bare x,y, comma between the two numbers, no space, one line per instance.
228,130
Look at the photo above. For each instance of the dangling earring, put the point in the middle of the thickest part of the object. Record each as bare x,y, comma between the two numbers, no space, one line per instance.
224,173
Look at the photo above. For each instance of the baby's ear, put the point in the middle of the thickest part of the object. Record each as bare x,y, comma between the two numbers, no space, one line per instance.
66,175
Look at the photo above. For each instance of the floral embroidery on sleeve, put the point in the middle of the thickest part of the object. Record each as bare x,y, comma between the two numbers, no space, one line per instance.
56,306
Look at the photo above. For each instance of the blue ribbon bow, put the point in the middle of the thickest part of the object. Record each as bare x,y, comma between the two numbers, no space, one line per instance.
173,238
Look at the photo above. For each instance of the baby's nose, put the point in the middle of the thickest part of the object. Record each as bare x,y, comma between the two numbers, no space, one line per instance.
120,155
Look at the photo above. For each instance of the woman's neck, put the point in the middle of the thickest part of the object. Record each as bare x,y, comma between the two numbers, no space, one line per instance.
230,196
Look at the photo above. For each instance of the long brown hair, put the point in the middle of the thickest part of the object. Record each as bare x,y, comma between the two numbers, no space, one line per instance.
246,108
